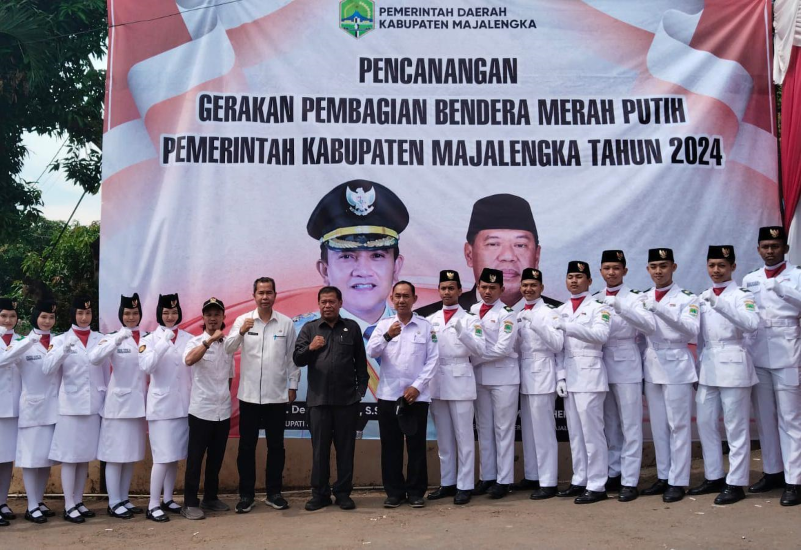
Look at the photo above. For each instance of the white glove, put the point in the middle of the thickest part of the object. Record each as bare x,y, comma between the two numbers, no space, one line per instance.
559,324
70,340
458,326
3,330
561,388
35,338
167,335
613,302
712,298
776,287
650,305
122,335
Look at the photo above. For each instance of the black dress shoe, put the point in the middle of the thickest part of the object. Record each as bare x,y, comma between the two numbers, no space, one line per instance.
526,485
709,486
790,496
730,494
627,494
499,490
34,517
132,509
442,492
589,497
121,515
673,494
171,506
82,509
543,493
658,488
613,483
572,491
461,497
483,487
6,512
68,517
416,502
393,502
346,503
4,522
768,482
157,514
317,503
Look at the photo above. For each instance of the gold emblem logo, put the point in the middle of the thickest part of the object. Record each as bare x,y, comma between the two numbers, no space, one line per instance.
537,274
213,300
53,309
87,305
134,303
142,348
663,254
492,278
725,251
173,303
774,233
450,274
619,255
580,266
14,305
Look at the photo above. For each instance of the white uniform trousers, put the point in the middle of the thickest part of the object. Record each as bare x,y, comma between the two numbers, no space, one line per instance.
736,407
623,427
455,441
585,426
540,448
496,411
670,409
777,409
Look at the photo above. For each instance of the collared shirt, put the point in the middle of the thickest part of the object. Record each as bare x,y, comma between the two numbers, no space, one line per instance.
337,371
211,396
266,369
409,359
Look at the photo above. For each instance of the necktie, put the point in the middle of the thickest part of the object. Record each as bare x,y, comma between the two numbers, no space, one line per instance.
612,292
45,341
448,313
7,338
717,291
484,309
771,273
135,336
576,302
659,294
529,306
83,335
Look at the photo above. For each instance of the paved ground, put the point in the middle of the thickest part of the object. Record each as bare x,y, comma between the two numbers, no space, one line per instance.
514,522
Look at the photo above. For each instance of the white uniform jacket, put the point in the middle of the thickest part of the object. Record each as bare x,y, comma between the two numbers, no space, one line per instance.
586,331
538,343
461,339
38,401
170,378
725,362
498,365
776,344
10,385
83,384
128,385
622,355
667,359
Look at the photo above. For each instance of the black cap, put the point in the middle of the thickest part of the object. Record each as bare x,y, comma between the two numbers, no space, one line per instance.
721,252
489,275
8,304
615,256
406,417
130,302
501,211
168,301
448,275
660,255
531,274
772,233
41,306
81,301
213,302
358,215
578,267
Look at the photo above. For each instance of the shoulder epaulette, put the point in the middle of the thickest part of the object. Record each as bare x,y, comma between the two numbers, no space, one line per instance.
20,337
648,289
507,308
600,302
596,293
551,306
687,292
634,291
745,290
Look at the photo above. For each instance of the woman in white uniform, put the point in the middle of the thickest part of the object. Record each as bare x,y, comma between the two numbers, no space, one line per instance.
161,356
38,408
122,431
80,400
9,406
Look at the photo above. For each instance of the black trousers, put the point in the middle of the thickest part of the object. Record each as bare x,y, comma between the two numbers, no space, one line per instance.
206,437
392,439
253,417
337,424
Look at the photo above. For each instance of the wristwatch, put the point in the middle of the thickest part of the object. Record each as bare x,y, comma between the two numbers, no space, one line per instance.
387,337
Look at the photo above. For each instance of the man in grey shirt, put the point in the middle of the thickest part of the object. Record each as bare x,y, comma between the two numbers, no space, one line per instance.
333,349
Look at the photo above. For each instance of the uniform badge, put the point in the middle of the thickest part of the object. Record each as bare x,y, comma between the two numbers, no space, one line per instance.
360,201
102,342
173,303
53,309
663,254
581,266
493,278
774,233
694,310
134,303
142,348
49,347
750,305
14,305
212,300
478,330
433,336
725,251
450,274
507,327
619,255
605,316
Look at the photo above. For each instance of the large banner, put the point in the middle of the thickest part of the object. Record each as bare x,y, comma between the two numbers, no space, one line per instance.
279,138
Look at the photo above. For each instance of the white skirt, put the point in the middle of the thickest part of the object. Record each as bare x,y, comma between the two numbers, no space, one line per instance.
75,438
122,440
33,446
169,439
8,439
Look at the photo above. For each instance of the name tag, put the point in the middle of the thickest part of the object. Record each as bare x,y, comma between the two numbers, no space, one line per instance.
752,283
33,357
123,350
253,333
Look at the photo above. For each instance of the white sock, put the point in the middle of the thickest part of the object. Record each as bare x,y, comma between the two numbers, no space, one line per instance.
81,473
113,483
125,481
169,480
5,480
43,477
68,475
157,475
30,477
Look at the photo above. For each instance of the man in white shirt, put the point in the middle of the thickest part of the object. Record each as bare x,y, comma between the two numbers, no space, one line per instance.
409,356
209,409
268,383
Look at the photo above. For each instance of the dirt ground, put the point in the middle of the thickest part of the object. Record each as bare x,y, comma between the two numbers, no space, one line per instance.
513,522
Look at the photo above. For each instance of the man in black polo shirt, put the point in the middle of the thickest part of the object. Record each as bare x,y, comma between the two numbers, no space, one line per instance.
333,349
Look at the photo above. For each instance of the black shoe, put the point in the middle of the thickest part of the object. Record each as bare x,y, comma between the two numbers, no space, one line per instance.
572,491
346,503
162,516
613,483
244,505
171,506
768,482
483,487
708,487
68,517
526,485
730,494
127,514
4,522
417,502
34,517
589,497
130,507
543,493
627,494
461,497
499,490
6,512
317,503
442,492
393,502
673,494
276,501
790,496
658,488
82,509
